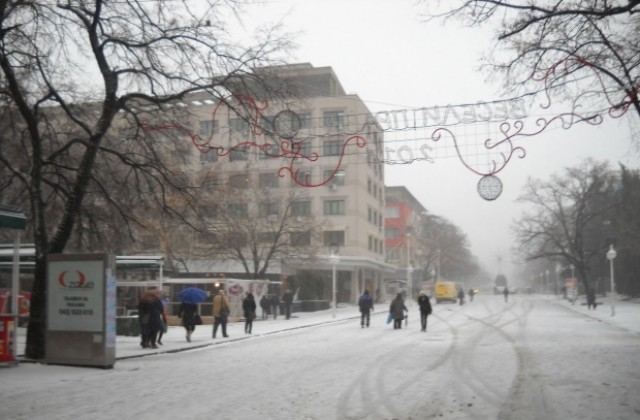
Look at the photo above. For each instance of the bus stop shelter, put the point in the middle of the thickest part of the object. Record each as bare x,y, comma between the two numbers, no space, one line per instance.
11,218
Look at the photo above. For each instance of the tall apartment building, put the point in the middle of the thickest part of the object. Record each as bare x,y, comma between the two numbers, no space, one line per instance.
312,155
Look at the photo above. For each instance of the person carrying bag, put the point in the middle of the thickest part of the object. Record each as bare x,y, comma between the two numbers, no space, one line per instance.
221,311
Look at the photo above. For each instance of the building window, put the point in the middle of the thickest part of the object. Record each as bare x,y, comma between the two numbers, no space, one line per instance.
300,238
305,119
268,209
333,237
267,237
237,210
209,156
209,211
269,180
304,146
271,149
236,240
207,129
334,207
301,208
391,233
333,120
239,153
303,177
332,147
239,126
370,215
338,178
239,181
370,243
392,212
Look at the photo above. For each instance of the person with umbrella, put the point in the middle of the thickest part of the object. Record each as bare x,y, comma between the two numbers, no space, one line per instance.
188,311
150,310
220,313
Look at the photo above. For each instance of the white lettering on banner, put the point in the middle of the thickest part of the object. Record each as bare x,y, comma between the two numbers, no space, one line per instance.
404,119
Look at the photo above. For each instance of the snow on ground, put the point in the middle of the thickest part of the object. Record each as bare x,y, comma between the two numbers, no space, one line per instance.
534,357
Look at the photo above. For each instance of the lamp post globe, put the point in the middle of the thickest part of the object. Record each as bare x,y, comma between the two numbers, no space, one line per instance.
611,255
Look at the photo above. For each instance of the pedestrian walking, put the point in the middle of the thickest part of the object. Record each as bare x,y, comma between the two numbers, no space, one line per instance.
461,296
472,293
220,313
366,307
275,305
397,310
264,304
249,309
188,312
505,292
425,309
288,302
591,298
150,310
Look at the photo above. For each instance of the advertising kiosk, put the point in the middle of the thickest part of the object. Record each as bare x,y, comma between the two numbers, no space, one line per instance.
81,310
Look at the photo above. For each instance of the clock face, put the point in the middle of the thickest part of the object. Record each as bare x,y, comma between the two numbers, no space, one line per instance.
286,124
489,187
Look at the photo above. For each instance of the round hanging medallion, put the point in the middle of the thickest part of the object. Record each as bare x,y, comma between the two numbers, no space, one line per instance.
489,187
286,124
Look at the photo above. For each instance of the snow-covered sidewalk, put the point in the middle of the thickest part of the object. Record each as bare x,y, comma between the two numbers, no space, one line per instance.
175,340
627,311
627,316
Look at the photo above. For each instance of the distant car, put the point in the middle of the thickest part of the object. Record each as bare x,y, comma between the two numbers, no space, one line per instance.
513,290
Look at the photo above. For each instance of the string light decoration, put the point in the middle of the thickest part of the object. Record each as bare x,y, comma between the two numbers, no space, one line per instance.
413,135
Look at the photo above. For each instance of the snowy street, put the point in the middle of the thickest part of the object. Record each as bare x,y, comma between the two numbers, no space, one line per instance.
531,358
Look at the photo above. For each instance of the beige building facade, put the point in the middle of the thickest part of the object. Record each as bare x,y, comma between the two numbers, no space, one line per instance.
311,160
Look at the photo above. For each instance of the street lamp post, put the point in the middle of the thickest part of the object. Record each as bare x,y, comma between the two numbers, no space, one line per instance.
611,255
334,259
557,278
409,268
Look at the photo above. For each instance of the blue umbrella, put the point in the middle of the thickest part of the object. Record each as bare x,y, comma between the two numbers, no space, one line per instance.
192,295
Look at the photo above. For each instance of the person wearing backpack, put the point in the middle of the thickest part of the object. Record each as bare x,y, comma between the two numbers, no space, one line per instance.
366,307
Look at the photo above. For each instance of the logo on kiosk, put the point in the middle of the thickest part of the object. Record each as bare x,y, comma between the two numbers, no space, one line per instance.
74,282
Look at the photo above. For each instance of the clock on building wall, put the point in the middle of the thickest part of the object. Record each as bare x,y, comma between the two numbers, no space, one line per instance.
286,124
489,187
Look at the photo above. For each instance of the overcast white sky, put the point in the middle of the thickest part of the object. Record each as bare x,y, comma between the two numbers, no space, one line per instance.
383,52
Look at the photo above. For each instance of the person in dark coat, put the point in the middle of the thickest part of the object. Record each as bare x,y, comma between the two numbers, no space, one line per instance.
150,310
472,293
425,309
264,304
275,305
249,309
156,323
591,298
288,302
505,291
397,310
187,312
366,306
144,317
461,296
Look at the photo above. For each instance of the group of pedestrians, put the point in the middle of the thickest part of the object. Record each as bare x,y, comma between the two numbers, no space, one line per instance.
398,311
270,304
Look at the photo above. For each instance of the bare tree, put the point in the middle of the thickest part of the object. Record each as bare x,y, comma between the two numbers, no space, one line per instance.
261,228
447,248
587,49
568,217
71,71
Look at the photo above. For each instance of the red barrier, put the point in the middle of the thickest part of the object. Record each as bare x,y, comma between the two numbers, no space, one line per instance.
6,339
